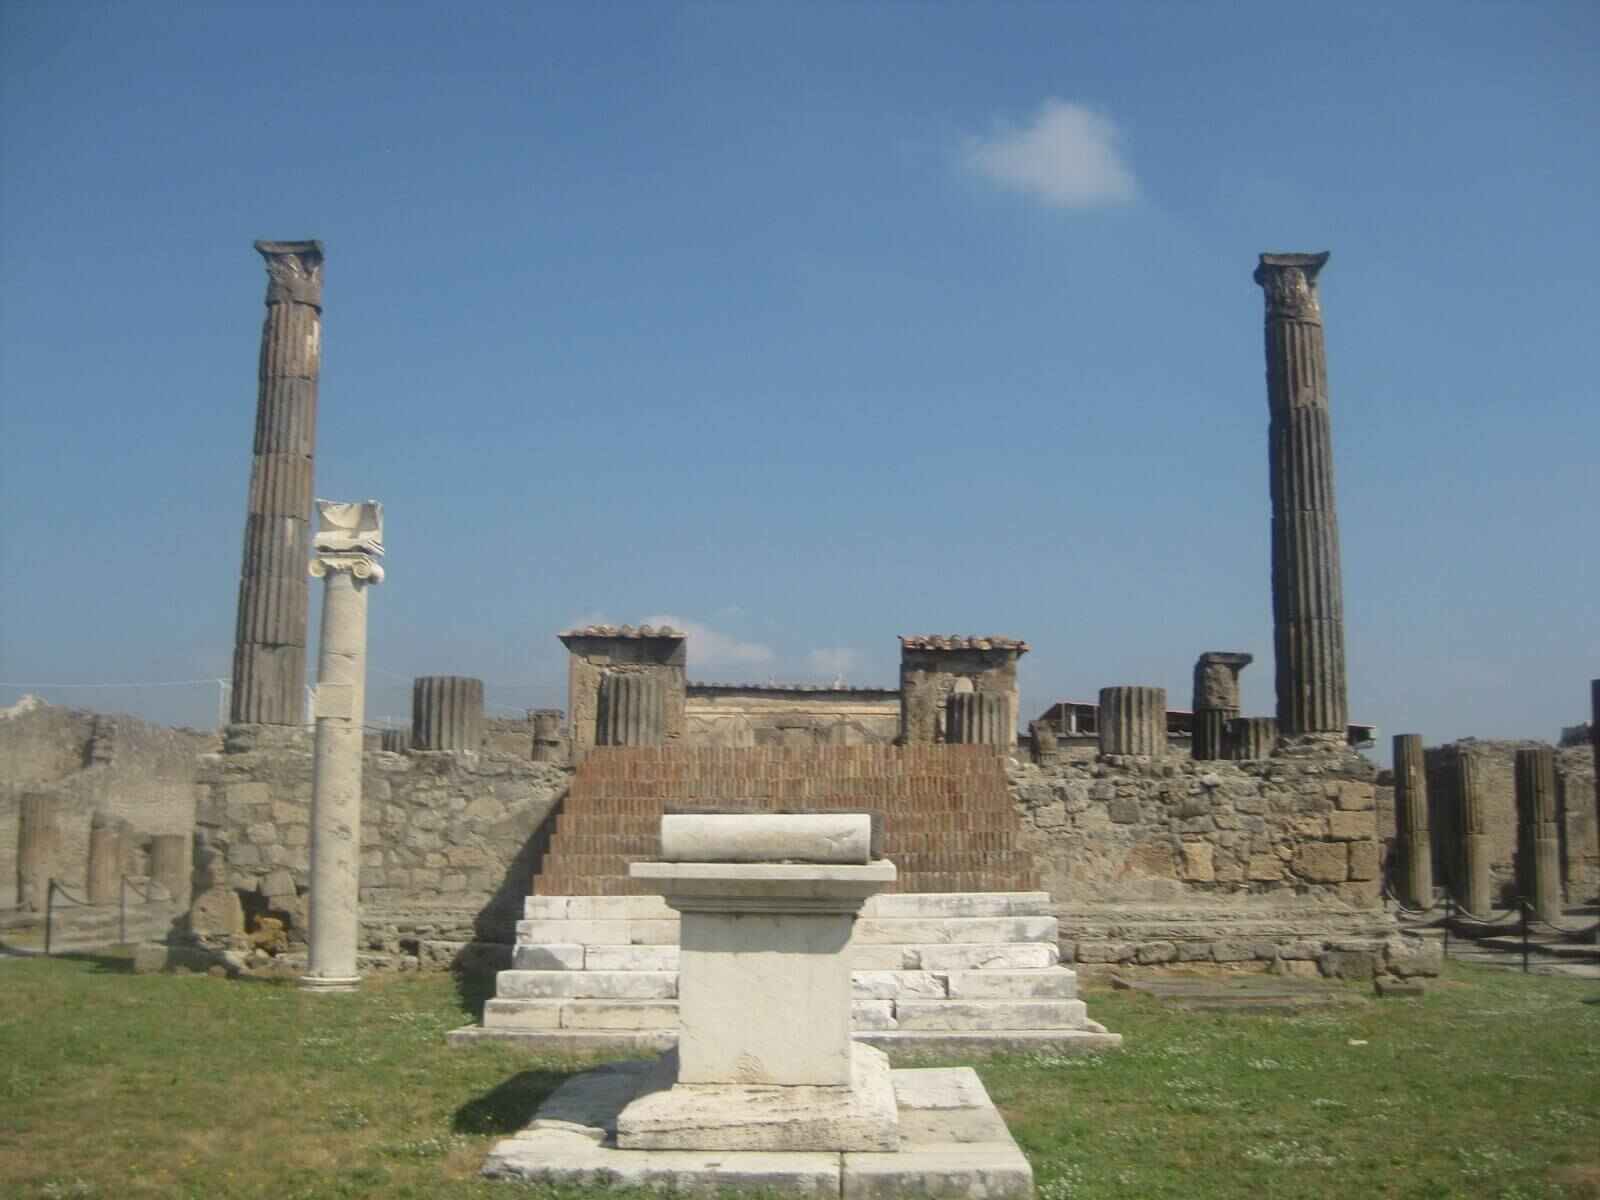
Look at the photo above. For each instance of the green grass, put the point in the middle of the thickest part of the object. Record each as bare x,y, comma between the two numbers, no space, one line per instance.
115,1085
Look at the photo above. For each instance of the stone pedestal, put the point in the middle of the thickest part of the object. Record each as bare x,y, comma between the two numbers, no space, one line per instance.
764,1058
172,864
632,710
104,883
38,843
1307,592
269,657
1133,720
1473,891
349,541
976,719
446,713
1216,700
1538,828
1412,821
1252,737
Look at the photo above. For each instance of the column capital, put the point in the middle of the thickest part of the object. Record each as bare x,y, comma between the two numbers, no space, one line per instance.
294,272
1290,284
349,537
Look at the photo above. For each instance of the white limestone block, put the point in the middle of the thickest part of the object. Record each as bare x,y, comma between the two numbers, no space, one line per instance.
877,958
1021,957
903,930
959,904
946,1171
619,908
652,932
939,1087
588,985
561,930
767,837
548,957
989,1014
618,1014
872,1014
889,985
522,1014
1053,983
545,908
630,958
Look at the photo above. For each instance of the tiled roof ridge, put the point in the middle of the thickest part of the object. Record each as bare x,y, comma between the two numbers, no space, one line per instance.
625,631
961,641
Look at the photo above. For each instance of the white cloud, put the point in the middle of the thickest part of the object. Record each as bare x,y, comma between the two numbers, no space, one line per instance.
708,648
1067,157
834,662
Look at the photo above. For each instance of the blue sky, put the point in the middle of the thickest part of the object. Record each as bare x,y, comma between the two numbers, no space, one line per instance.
809,326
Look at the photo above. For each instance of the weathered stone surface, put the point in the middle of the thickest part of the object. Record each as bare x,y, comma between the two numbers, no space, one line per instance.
38,845
106,835
1198,863
989,1014
892,985
1539,832
940,1171
1321,862
1475,887
1352,826
766,837
588,985
217,912
560,957
269,660
1055,983
1412,820
1022,957
548,744
1216,701
1251,738
1307,593
1133,721
446,713
1363,860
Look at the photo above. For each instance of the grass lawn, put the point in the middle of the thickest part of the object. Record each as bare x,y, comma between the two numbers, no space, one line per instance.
116,1085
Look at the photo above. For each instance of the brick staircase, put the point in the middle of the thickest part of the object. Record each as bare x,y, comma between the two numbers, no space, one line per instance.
948,821
960,954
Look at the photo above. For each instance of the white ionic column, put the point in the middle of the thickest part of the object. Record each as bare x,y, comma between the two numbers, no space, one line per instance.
349,541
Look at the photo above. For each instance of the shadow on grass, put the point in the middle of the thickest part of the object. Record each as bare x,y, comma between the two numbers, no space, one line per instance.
473,989
509,1106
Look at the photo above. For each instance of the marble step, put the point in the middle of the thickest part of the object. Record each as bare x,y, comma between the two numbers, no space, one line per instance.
915,904
621,983
868,931
663,956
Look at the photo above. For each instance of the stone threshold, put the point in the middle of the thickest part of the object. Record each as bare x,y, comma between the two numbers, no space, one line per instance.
952,1142
967,1043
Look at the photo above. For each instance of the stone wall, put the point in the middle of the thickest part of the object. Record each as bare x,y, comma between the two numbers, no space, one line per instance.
449,840
1154,861
747,715
142,773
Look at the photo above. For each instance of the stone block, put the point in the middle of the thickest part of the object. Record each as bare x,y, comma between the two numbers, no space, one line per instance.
1390,987
958,904
276,883
630,958
553,1156
217,912
1363,860
1149,953
1321,862
872,1014
1227,952
986,930
1356,797
881,958
1409,956
618,1014
549,957
766,837
1022,957
891,985
1348,964
522,1014
990,1014
589,985
1198,866
1124,811
1054,983
1352,826
940,1171
1265,868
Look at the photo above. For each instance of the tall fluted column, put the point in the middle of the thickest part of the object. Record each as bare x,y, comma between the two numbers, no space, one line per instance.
632,709
269,653
1474,891
349,541
38,843
1216,700
1133,720
1539,841
1307,595
976,718
104,880
1412,822
446,712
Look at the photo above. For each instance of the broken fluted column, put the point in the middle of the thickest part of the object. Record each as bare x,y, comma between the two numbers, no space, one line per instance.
446,713
1473,892
1307,595
172,864
632,709
38,842
349,541
1216,700
1539,843
976,718
1252,737
547,744
1412,821
269,654
1133,720
105,858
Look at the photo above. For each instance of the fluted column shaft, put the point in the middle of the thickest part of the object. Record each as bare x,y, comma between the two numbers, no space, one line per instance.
547,742
446,712
172,864
1133,720
1307,592
1474,890
1216,701
38,843
632,710
1539,835
269,657
1252,737
976,719
1412,821
104,880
